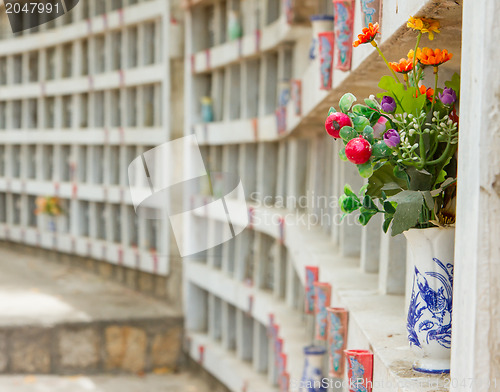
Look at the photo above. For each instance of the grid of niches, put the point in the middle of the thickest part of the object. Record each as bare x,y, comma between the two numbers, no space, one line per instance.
73,115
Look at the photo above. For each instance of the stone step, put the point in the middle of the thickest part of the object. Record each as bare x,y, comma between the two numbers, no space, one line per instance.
60,320
185,382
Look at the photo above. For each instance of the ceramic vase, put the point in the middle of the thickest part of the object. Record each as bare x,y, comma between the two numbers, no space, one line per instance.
344,31
322,293
319,24
359,370
372,11
207,111
312,273
430,261
312,376
337,340
326,45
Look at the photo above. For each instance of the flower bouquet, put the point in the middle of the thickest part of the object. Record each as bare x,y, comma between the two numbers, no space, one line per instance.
404,142
48,205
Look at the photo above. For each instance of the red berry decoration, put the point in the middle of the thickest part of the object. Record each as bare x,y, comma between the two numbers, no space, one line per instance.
334,123
358,150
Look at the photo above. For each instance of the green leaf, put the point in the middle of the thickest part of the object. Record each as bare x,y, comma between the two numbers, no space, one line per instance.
349,204
372,103
387,222
383,179
346,102
420,180
365,216
381,150
442,174
342,154
348,190
362,191
429,201
369,204
362,110
360,123
408,210
347,133
389,207
454,83
365,170
374,117
331,111
368,134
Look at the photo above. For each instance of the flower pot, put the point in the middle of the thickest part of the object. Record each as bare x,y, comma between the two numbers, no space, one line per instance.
326,45
337,340
319,24
312,273
344,25
312,375
322,293
430,261
360,370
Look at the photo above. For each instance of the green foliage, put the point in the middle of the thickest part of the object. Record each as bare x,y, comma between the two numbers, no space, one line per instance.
346,102
381,150
331,111
365,170
454,83
384,180
368,134
342,154
405,98
360,123
347,133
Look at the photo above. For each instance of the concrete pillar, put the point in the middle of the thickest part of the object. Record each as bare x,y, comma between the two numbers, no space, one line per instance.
476,315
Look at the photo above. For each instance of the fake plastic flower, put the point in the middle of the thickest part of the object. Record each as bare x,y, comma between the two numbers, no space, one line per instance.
334,123
436,57
368,35
388,104
358,150
429,92
424,25
379,127
448,96
404,65
392,138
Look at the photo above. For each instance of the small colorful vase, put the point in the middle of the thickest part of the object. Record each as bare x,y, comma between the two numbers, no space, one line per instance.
326,45
360,370
322,293
337,340
344,31
312,274
312,375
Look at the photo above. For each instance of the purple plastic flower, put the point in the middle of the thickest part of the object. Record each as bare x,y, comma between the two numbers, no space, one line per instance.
388,104
448,96
392,138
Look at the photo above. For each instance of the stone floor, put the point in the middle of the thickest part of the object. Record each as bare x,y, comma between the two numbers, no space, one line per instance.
61,320
184,382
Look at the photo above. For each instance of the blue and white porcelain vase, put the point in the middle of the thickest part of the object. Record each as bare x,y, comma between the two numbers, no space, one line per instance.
312,376
430,254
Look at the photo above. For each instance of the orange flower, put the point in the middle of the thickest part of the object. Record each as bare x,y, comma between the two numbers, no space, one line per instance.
429,92
427,56
424,25
404,66
368,35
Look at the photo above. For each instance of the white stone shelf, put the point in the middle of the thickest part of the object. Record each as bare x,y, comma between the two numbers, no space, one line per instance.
131,15
225,366
146,136
113,253
84,84
377,322
247,46
68,190
239,131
